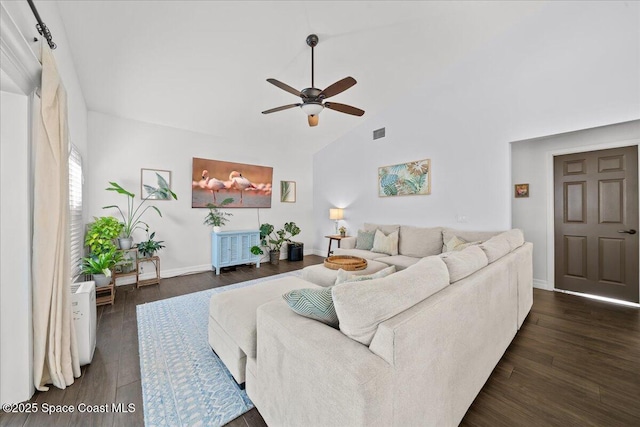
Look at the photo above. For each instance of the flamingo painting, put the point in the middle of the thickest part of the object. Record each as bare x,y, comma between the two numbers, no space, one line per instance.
212,184
215,180
239,182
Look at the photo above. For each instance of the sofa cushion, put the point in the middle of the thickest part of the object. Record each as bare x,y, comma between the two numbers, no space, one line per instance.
235,310
420,242
345,276
465,262
496,247
515,238
385,244
314,303
386,229
457,244
365,240
467,235
399,261
362,306
359,253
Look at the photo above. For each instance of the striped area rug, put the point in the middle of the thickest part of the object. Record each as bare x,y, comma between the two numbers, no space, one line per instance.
184,383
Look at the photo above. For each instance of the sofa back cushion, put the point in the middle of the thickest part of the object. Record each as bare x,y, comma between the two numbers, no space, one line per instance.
420,242
465,262
386,229
467,235
362,306
496,247
515,238
345,276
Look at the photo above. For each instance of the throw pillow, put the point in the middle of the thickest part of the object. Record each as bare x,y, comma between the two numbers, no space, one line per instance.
348,276
385,244
365,240
316,304
457,244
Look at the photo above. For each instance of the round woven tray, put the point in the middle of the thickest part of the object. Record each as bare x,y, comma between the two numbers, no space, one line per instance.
345,262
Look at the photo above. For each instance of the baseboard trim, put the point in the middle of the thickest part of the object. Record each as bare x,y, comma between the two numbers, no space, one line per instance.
165,274
542,284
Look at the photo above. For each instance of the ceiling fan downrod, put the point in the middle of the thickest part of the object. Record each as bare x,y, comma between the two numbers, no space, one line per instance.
312,40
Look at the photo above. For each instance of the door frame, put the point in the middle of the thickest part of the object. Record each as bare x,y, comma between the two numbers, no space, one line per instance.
551,194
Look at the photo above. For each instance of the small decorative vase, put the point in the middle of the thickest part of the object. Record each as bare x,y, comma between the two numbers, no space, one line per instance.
217,229
343,233
101,280
125,242
274,257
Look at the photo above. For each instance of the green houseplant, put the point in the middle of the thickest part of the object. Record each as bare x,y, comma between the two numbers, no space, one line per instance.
216,218
132,220
100,265
149,247
101,234
274,239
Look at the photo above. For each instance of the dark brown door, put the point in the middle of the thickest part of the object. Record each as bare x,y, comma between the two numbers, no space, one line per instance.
596,223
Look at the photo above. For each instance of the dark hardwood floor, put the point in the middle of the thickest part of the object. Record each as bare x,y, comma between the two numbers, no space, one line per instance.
575,362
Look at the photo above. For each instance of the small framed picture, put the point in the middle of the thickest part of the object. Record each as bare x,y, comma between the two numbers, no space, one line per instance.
155,184
288,191
521,190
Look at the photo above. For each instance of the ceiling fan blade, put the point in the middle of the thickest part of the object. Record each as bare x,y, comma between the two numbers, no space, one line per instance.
284,107
286,87
343,108
338,87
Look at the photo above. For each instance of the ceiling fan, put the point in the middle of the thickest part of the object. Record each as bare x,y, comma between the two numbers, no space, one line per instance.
313,98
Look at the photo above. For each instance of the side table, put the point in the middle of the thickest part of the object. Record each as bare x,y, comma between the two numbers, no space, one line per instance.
331,238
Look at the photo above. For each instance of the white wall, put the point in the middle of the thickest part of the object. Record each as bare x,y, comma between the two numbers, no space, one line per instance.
532,162
119,148
569,66
15,250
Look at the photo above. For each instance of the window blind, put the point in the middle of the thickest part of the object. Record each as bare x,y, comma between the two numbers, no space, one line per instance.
75,208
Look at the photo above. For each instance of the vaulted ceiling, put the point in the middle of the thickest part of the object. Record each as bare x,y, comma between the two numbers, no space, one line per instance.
202,65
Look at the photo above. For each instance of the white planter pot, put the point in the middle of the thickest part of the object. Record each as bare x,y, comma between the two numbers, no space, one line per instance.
125,242
101,280
217,229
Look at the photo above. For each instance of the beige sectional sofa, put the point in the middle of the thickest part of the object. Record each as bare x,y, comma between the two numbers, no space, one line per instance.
413,348
414,243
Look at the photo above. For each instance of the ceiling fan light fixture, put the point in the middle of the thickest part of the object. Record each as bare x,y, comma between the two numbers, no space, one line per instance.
312,108
313,120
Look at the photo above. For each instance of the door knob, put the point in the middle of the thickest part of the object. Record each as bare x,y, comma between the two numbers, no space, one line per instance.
632,231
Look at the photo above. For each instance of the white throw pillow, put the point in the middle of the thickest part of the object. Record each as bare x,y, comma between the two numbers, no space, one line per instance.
345,276
457,244
385,244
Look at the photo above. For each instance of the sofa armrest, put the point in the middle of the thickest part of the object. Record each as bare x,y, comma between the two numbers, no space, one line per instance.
348,243
320,376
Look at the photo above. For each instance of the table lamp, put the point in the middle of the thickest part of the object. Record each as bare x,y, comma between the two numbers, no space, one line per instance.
336,214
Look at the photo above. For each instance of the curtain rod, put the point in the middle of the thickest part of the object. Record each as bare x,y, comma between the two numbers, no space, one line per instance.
41,26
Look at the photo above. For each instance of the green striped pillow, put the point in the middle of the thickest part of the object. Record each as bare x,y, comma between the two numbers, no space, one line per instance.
316,304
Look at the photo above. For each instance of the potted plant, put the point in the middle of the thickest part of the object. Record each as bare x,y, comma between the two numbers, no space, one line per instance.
100,265
343,231
275,239
101,234
149,247
216,218
132,220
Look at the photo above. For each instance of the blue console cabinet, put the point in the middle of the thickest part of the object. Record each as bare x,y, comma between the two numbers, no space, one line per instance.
233,248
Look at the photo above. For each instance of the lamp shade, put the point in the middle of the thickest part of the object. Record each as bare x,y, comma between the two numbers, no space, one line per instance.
336,213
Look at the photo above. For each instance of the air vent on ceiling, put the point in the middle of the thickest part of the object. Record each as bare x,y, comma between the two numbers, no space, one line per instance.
378,133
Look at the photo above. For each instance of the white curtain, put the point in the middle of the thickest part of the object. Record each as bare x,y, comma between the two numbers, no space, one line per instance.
55,350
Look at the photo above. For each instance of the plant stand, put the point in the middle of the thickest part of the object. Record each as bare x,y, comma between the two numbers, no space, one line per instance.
106,294
155,260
